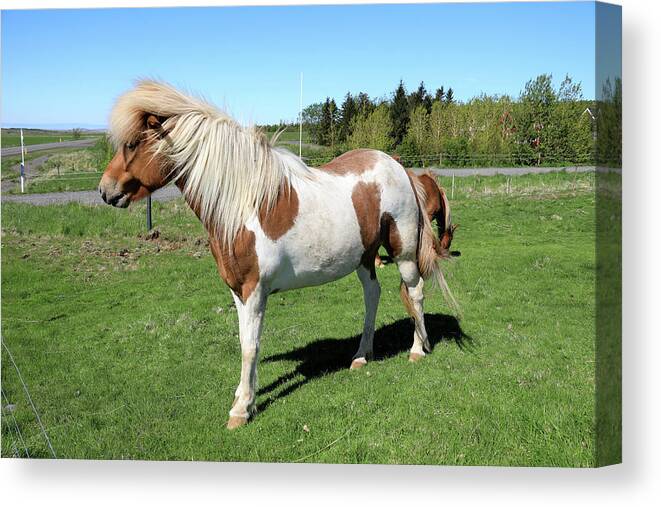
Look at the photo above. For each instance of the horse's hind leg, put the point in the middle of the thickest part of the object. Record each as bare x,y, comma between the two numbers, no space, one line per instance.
371,294
413,297
251,316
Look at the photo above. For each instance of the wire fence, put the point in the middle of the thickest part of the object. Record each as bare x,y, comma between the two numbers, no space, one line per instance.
460,160
14,432
31,403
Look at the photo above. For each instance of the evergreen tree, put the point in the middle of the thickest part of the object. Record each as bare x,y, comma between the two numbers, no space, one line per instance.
420,97
449,96
325,123
399,114
427,102
347,114
334,117
440,94
364,105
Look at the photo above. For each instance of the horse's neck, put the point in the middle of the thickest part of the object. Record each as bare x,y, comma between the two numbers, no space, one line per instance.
181,179
181,183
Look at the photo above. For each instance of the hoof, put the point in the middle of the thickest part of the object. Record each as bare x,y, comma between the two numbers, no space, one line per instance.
235,422
358,363
414,357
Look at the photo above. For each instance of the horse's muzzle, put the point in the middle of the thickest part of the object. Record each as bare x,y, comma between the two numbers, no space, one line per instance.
112,196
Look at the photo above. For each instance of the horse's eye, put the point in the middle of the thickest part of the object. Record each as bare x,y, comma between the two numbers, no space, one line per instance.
132,145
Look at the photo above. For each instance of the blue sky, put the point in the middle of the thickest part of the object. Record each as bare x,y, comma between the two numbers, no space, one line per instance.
67,66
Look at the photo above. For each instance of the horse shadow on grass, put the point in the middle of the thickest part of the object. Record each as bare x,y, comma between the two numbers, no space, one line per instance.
330,355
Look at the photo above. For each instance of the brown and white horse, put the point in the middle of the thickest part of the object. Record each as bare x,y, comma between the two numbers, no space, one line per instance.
266,213
437,208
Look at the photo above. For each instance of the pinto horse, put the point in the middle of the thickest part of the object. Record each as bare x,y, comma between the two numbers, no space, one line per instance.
266,213
437,208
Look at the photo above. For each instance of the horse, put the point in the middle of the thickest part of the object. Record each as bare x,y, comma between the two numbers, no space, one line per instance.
437,208
266,213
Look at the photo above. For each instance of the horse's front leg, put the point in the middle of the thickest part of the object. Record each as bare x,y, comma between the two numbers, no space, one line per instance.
251,316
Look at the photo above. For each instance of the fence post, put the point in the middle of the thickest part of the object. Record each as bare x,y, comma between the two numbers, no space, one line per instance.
149,225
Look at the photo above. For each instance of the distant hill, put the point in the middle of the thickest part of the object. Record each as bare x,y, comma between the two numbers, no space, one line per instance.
59,127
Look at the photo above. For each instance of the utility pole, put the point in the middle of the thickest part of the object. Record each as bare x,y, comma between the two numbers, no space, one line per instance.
149,225
22,165
300,121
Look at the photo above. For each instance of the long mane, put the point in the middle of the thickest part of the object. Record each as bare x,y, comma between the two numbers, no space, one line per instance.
227,170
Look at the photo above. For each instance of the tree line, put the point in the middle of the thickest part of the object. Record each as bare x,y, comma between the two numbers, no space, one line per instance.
544,125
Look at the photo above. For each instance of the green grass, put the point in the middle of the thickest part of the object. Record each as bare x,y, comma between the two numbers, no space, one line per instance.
130,347
10,169
64,183
65,170
11,138
290,135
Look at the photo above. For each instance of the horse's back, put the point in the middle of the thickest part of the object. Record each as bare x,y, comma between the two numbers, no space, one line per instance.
342,213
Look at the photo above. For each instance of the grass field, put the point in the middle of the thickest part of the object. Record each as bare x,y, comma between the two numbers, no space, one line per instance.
130,346
64,183
290,135
65,170
12,137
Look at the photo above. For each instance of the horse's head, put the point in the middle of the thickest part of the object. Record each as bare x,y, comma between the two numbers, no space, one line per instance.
136,170
447,236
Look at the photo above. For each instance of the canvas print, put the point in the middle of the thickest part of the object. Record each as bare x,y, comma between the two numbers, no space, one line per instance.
383,234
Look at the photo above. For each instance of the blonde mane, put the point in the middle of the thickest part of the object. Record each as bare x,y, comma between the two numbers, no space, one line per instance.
227,170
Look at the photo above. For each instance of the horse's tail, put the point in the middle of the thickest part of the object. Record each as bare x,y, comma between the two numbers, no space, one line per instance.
430,249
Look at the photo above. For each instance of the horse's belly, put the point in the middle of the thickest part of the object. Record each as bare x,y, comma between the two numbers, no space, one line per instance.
310,263
320,248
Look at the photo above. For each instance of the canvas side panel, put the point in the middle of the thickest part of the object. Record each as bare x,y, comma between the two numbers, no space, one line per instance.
608,154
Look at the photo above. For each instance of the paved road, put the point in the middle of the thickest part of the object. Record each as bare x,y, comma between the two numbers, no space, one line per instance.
84,197
171,192
80,143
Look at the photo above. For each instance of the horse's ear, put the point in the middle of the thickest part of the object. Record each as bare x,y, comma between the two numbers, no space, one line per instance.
153,122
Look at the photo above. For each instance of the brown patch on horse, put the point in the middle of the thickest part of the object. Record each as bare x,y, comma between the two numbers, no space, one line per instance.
352,162
237,263
390,235
448,236
366,198
434,201
437,208
280,218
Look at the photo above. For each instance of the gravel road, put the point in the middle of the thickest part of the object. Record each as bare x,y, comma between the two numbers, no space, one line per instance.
84,197
171,192
80,143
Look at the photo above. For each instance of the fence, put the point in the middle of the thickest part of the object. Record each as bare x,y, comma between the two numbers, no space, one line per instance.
453,160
